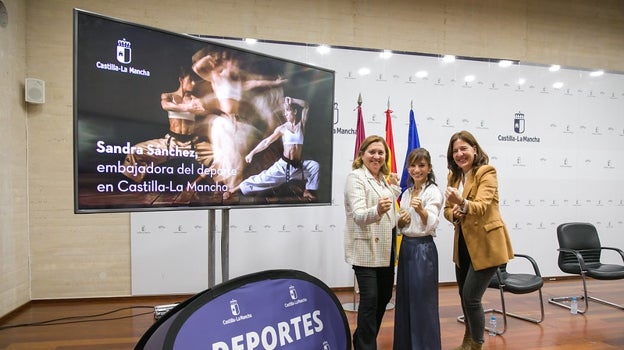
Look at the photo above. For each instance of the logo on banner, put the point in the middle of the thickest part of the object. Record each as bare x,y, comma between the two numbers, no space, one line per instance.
293,292
565,163
236,314
609,165
519,162
294,296
124,52
234,307
519,123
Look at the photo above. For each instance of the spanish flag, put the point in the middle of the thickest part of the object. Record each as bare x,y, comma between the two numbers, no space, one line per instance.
391,162
390,141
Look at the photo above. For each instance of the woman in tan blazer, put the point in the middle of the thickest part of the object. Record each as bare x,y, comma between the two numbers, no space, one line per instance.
481,241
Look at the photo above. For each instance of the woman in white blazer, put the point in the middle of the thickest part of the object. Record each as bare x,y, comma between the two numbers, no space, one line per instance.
369,238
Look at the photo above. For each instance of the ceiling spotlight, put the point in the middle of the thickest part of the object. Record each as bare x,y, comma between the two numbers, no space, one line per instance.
596,73
505,63
385,54
558,85
422,74
251,41
448,58
554,68
323,49
364,71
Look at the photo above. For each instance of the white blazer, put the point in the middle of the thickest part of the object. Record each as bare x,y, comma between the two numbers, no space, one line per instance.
367,235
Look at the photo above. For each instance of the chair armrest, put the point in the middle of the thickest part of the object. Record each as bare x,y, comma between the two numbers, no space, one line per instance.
532,261
499,276
598,250
617,250
578,255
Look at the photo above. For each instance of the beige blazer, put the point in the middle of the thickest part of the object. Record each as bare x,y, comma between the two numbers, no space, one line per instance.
367,235
485,233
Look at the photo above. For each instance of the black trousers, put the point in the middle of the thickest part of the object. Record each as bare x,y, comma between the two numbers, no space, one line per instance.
472,285
375,292
376,284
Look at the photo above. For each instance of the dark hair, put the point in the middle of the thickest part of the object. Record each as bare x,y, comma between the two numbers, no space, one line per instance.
184,71
296,111
481,158
357,162
416,155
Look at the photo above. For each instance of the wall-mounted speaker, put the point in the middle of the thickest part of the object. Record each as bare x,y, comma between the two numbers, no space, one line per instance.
34,90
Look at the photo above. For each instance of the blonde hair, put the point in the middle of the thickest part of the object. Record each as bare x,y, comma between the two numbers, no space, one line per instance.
358,162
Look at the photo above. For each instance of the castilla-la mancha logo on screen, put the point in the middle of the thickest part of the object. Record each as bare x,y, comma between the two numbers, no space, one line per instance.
519,122
124,56
124,52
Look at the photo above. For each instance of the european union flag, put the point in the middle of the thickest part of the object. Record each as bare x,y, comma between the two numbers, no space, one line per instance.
412,143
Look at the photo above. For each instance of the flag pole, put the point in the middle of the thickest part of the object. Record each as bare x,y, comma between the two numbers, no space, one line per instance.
391,163
359,138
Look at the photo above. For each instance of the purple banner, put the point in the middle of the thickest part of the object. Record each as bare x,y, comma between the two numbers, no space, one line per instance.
276,313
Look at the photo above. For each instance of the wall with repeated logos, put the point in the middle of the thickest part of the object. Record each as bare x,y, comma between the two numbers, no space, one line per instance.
79,256
548,134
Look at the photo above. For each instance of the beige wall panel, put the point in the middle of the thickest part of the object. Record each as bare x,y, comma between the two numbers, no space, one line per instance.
577,33
79,255
14,273
89,255
72,255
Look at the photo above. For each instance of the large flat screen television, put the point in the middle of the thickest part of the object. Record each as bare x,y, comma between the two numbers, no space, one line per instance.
168,121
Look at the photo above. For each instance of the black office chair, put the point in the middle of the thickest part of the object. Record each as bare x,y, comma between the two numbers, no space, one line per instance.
579,254
516,283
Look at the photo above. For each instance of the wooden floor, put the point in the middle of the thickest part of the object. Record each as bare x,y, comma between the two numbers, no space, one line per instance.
602,327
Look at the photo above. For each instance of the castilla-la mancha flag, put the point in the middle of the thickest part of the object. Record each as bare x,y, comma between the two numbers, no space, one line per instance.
360,134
